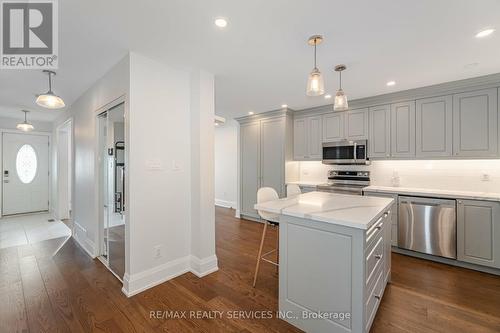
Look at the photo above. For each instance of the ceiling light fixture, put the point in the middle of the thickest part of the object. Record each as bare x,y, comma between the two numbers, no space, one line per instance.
484,33
391,83
340,97
284,106
328,96
50,100
25,126
221,22
250,112
315,83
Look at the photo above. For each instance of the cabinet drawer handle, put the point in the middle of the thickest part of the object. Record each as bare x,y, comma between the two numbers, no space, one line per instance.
377,297
378,256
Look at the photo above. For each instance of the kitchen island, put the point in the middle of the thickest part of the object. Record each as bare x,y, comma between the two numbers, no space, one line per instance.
334,259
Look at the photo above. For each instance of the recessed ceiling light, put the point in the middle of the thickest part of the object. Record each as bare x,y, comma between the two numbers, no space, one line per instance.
221,22
391,83
328,96
250,112
484,33
284,106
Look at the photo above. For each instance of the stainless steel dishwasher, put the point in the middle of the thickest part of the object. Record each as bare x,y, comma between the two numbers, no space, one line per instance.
428,225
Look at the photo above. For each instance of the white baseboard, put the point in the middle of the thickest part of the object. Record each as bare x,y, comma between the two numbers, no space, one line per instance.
225,203
205,266
80,236
237,215
139,282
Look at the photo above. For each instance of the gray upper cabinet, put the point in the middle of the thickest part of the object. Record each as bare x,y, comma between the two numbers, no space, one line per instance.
250,166
333,127
478,232
272,168
380,132
403,129
434,131
475,126
356,124
307,138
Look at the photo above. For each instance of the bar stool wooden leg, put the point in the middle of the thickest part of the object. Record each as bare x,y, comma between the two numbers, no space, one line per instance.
260,253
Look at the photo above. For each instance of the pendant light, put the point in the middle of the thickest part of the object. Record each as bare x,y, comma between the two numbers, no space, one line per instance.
50,100
25,126
340,97
315,83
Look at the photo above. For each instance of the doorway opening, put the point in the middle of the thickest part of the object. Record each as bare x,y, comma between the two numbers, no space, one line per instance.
111,158
64,172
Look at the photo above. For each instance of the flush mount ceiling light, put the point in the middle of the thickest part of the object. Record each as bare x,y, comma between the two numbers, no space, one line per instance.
50,100
391,83
250,112
284,106
328,96
25,126
484,33
219,121
221,22
340,103
315,83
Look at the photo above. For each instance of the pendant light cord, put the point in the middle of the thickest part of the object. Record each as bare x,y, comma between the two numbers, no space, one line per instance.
25,120
50,81
315,43
340,79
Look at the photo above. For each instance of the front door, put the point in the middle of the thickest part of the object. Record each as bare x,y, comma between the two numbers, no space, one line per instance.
25,173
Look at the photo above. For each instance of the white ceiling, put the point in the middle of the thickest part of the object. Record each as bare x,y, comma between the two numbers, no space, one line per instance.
261,59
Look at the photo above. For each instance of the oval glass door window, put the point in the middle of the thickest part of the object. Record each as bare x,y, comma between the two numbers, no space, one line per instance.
26,164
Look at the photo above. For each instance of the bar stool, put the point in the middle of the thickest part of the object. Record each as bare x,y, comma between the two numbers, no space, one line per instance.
293,190
266,194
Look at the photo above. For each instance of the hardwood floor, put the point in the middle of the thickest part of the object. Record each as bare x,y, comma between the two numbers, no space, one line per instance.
53,286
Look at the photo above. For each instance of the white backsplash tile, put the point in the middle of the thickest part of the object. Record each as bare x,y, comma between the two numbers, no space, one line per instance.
463,175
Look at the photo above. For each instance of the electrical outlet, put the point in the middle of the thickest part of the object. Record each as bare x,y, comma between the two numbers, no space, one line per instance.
157,252
485,177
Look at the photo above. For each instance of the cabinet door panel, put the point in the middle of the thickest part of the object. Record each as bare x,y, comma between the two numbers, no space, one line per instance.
250,166
333,127
475,123
356,124
315,150
380,131
300,137
273,154
434,127
478,232
403,129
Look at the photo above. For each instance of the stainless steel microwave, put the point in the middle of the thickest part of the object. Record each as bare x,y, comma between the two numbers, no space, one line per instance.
345,152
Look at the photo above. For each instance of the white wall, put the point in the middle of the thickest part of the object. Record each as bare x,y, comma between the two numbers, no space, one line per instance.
226,164
112,85
463,175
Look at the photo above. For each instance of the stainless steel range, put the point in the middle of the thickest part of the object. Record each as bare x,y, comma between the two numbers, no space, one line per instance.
346,182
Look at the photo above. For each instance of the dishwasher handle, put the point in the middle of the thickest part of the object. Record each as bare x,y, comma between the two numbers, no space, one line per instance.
427,201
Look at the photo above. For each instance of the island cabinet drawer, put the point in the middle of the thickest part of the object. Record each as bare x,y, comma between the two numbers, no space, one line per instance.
375,231
373,301
374,261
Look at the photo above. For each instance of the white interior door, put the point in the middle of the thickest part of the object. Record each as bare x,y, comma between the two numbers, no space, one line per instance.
25,173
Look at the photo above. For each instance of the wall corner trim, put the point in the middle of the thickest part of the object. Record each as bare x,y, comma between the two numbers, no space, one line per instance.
205,266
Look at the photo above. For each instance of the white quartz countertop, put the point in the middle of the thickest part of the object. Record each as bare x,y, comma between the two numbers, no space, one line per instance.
340,209
452,194
307,183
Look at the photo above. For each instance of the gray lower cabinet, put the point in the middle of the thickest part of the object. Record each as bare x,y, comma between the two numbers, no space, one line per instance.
380,132
403,129
393,228
434,126
262,156
307,138
478,232
475,123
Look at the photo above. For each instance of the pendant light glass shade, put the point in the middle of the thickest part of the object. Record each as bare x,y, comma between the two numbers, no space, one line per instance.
315,84
25,126
50,100
340,103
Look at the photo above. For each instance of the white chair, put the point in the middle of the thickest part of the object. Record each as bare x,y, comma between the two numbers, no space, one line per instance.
266,194
293,190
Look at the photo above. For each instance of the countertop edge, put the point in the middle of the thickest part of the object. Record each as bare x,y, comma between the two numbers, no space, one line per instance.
449,194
